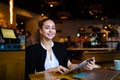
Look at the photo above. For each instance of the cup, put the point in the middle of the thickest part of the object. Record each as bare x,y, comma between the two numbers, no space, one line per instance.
117,64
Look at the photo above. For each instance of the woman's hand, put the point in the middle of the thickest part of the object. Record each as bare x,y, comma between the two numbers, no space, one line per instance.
90,65
60,69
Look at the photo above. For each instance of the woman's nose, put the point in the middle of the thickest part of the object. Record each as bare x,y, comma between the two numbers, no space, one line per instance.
50,30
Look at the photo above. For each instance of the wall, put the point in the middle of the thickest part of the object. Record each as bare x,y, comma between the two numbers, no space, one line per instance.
31,24
4,12
70,27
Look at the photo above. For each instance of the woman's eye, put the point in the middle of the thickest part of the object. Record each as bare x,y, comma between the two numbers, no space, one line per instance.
54,28
47,27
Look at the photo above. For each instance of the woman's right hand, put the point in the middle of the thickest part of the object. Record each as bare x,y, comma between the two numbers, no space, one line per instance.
59,69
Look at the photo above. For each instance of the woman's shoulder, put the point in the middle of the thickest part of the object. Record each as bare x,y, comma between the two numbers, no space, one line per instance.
58,44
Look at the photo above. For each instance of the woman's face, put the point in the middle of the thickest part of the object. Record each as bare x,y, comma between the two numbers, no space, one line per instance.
48,30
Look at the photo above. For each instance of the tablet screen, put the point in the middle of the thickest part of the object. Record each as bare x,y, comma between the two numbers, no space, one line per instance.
8,33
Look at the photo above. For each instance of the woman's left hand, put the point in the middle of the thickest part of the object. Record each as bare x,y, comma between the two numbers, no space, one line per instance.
90,65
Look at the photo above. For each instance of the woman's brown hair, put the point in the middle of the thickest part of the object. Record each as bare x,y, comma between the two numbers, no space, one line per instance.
40,23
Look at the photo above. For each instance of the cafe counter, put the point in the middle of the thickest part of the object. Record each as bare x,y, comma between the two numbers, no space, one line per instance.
102,55
12,65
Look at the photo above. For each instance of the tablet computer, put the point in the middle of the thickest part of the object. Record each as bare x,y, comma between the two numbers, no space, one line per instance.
77,67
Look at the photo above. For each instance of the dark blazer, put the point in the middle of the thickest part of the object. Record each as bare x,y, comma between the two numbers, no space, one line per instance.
35,57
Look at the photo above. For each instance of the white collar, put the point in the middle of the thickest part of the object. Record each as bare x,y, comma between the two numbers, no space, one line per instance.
44,46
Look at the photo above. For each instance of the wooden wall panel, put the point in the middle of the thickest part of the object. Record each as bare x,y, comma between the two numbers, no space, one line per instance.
12,64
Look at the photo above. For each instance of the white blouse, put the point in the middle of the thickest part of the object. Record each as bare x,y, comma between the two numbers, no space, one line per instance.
50,63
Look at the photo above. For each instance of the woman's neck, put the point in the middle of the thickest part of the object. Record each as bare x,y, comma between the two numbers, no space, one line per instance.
47,44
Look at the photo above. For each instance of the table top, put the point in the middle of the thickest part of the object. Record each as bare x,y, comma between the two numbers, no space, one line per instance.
91,49
95,74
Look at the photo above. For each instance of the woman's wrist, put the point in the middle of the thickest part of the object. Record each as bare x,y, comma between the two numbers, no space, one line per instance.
39,72
50,70
72,65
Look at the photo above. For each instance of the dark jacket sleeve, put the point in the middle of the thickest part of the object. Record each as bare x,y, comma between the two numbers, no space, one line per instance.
60,51
34,59
29,63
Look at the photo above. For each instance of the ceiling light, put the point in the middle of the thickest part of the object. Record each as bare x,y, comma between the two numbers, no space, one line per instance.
63,15
53,2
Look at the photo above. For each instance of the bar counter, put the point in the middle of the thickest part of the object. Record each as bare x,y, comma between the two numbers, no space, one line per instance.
100,54
90,49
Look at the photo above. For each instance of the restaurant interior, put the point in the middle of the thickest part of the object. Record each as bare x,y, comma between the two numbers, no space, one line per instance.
87,27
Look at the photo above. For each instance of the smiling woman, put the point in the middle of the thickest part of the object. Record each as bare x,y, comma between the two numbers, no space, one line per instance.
48,55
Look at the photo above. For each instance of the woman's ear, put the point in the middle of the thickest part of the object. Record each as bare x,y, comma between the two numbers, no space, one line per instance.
40,31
